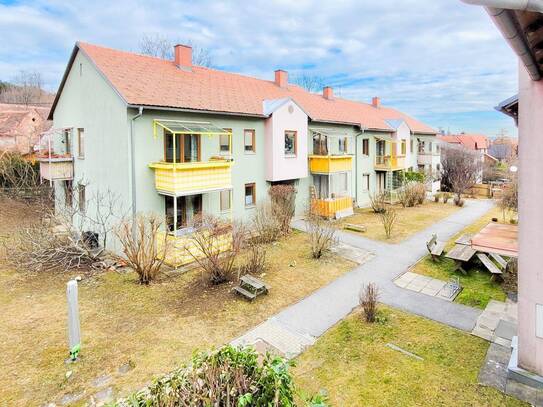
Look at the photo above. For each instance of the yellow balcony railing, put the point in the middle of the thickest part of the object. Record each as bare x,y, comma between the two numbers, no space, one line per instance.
387,162
330,206
195,177
326,164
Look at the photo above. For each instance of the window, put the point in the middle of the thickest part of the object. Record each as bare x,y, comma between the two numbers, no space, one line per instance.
365,182
224,141
429,146
249,140
67,141
320,144
81,143
343,145
188,207
411,145
187,147
250,194
68,193
437,148
81,198
366,146
438,167
290,142
320,182
226,203
421,147
404,147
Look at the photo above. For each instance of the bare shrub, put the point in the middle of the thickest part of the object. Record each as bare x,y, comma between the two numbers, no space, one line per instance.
255,262
378,202
16,172
139,238
460,168
265,225
388,219
322,234
283,197
369,294
437,197
509,199
446,197
510,277
411,194
208,247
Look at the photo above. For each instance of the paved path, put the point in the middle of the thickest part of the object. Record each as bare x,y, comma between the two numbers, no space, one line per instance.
312,316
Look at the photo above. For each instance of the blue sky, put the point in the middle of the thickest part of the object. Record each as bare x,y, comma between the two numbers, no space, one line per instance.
439,60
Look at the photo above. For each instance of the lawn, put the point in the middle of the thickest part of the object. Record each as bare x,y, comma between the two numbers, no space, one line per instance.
152,328
478,290
408,222
352,363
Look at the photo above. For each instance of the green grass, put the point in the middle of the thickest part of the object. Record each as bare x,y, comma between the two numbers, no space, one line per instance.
352,363
477,290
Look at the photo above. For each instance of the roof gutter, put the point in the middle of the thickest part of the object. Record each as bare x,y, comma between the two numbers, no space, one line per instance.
501,12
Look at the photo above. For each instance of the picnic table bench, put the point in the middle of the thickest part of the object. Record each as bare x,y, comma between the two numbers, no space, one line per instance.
465,239
461,254
434,247
251,287
499,259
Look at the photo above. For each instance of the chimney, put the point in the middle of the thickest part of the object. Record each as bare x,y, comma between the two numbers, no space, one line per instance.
183,56
376,101
328,92
281,78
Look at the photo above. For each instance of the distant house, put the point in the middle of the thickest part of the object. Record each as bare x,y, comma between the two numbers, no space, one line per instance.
504,148
20,127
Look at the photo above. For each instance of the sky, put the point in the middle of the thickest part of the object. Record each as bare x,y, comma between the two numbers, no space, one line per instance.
441,61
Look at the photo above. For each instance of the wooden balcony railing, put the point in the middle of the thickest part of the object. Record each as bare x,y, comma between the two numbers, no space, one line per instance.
326,164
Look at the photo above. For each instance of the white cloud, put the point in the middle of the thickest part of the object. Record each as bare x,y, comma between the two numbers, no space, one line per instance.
436,59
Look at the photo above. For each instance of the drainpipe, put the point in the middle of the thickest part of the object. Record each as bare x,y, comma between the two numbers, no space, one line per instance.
501,13
362,130
133,168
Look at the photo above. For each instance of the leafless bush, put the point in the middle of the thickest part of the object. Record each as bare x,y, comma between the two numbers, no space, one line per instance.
446,197
388,219
322,234
265,225
437,197
369,294
378,202
412,193
215,246
460,168
509,200
510,277
16,172
283,199
255,262
139,238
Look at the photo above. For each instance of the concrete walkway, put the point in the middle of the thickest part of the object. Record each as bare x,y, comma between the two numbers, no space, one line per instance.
312,316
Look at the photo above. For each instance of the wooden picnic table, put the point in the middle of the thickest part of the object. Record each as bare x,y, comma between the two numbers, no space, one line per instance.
251,287
461,254
465,239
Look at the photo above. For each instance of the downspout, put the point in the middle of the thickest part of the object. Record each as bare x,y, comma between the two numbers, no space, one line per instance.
133,167
362,130
501,12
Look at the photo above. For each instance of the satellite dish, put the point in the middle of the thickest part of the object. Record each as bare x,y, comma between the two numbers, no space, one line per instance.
513,168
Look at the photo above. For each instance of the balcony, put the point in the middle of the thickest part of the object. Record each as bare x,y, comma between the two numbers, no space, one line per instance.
179,179
327,164
57,168
425,158
389,163
333,207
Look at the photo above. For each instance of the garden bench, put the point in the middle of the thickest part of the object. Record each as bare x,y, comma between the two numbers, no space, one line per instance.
251,287
434,247
499,259
490,265
354,227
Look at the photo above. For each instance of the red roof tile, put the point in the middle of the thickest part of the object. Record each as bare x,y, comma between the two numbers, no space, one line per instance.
472,141
150,81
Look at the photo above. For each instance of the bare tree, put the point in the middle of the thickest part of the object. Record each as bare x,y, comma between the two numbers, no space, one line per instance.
311,83
143,252
283,200
160,46
368,297
388,218
322,233
26,89
460,169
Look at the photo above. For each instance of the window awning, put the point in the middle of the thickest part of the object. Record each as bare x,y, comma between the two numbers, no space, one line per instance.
187,127
329,132
385,137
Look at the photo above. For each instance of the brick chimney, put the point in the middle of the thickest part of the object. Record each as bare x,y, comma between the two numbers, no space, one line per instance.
281,78
376,101
183,56
328,92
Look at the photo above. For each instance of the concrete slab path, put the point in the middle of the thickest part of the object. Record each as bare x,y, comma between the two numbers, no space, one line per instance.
312,316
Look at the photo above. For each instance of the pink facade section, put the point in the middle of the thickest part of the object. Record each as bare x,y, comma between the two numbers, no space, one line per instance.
281,166
531,222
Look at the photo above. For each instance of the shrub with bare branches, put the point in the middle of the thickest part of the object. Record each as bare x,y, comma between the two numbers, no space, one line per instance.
322,234
255,262
214,245
388,219
283,199
378,202
460,169
412,193
265,225
369,294
139,240
16,172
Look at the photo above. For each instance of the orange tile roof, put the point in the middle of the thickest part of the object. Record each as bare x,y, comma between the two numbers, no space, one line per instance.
150,81
472,141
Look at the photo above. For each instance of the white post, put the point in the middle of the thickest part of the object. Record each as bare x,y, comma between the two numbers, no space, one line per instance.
74,333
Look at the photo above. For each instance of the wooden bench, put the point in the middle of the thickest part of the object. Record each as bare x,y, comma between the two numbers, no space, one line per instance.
354,227
251,287
499,259
434,247
489,264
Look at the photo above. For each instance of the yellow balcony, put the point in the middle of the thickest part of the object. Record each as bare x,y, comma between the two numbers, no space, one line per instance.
192,178
387,162
179,248
331,206
326,164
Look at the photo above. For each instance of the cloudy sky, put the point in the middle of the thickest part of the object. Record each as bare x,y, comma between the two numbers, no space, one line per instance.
439,60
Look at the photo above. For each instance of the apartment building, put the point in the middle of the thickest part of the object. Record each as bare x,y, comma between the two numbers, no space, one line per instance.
177,139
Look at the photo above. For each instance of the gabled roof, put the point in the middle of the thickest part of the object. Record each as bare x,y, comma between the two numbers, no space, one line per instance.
471,141
142,80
